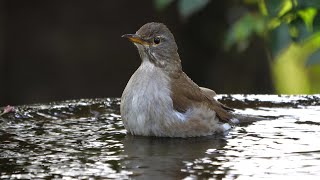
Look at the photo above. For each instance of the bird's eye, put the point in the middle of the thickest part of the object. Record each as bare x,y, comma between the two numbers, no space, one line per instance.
156,40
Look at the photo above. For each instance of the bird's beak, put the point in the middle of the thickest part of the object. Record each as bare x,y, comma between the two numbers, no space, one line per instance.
135,39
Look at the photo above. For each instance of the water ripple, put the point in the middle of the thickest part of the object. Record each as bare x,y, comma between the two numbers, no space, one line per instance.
83,139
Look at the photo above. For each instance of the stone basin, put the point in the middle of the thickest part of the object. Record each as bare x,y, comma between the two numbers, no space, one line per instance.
82,139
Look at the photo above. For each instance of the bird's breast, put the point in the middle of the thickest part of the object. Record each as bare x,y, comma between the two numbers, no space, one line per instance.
146,104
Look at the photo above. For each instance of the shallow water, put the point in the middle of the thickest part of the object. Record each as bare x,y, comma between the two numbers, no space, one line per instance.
86,139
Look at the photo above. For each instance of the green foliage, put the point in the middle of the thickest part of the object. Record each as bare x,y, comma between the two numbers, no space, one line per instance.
280,38
314,59
290,74
186,8
308,3
162,4
276,7
284,20
242,30
290,28
308,15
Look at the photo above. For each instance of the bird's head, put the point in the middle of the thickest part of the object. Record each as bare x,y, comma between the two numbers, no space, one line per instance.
156,44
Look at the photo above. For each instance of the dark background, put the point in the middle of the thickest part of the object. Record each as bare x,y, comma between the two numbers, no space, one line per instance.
71,49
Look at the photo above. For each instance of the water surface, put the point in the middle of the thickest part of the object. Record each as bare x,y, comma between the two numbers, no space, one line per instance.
84,139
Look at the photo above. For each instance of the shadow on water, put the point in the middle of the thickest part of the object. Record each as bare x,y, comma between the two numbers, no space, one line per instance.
84,139
164,157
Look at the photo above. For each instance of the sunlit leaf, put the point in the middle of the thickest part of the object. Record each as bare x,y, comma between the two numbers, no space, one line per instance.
289,71
187,8
161,4
286,6
290,76
263,7
274,23
308,15
314,75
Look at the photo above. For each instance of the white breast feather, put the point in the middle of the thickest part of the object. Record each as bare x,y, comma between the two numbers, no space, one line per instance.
141,107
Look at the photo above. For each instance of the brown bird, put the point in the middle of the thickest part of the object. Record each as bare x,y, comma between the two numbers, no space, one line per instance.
160,99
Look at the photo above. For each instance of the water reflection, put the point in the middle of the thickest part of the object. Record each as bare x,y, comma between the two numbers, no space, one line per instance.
85,139
150,157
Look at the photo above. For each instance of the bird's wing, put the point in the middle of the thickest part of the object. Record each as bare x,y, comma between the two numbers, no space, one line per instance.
208,92
185,94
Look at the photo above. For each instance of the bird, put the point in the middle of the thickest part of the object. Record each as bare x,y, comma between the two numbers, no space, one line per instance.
161,100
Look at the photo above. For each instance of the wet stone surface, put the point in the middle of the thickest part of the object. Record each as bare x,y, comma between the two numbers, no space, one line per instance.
84,139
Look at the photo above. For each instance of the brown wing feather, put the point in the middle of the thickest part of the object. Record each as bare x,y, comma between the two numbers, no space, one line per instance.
208,92
186,93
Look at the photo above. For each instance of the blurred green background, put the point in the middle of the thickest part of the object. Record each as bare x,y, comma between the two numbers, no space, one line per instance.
71,49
